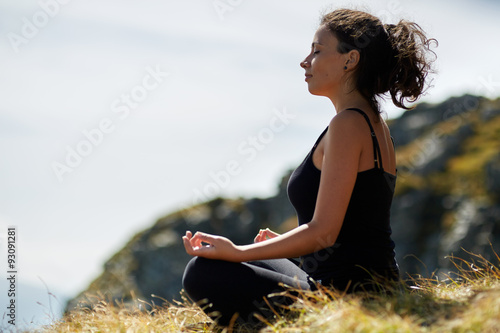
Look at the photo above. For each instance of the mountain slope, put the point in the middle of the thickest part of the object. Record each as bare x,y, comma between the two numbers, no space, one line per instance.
447,198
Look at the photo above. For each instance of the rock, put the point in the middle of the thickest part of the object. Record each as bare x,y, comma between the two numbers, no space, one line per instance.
415,218
153,262
493,177
476,231
415,123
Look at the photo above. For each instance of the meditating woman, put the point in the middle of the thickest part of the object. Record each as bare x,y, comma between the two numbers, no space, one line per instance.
342,191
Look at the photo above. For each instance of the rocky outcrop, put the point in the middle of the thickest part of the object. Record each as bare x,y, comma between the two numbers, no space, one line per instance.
445,207
454,210
152,263
413,124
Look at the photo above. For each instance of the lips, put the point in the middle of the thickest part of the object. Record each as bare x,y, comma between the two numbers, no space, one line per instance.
308,76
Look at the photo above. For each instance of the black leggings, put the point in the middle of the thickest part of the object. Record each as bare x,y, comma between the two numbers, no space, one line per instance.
224,288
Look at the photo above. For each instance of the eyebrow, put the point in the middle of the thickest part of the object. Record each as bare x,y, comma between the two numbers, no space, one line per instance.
317,43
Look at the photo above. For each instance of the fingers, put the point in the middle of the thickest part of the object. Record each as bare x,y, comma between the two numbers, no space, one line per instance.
257,238
210,246
271,234
200,237
265,234
195,250
186,240
187,244
187,236
260,236
195,243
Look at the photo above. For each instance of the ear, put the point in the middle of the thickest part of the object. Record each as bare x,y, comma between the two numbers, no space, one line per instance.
352,59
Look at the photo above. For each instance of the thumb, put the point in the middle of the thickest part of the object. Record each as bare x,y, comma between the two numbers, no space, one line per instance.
200,237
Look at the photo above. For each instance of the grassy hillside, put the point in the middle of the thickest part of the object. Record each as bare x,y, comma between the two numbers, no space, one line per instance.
448,198
468,301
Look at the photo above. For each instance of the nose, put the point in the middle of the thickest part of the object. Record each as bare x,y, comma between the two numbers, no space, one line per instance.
306,62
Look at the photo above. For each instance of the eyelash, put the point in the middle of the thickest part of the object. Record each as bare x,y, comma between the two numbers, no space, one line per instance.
315,52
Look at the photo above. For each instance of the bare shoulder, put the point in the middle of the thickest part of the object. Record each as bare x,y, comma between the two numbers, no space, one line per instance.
347,124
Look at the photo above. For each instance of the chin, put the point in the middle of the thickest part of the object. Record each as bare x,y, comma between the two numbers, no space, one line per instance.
315,92
312,91
320,91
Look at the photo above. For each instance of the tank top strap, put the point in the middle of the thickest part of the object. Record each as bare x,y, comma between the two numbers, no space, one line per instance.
319,138
377,155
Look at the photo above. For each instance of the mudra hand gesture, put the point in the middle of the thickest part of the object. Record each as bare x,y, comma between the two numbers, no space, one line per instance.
265,234
217,247
210,246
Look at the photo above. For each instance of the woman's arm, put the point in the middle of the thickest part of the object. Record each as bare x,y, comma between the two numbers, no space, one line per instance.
342,152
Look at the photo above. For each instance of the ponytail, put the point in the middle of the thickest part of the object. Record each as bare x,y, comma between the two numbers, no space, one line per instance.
411,65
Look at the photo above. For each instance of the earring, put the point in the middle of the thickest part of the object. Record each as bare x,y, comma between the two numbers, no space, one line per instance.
345,68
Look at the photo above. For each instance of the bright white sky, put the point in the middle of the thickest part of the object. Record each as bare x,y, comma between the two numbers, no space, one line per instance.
229,74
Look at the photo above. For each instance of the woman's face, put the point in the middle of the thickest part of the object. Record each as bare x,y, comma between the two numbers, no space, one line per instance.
324,66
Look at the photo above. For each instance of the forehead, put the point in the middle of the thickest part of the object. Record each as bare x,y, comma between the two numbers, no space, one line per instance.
324,37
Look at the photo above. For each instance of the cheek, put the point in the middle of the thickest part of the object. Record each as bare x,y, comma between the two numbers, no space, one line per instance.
325,68
327,76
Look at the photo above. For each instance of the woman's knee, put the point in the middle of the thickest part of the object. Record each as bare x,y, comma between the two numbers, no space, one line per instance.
191,275
198,276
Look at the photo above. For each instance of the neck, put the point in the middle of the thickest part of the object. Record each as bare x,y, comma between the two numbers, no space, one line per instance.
350,100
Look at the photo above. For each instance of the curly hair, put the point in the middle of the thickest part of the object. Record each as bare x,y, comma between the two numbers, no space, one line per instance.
393,58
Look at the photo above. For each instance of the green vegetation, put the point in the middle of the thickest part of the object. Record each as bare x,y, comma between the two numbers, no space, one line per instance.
464,173
478,150
465,301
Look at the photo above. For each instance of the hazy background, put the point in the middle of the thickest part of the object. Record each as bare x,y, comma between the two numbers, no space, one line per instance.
232,64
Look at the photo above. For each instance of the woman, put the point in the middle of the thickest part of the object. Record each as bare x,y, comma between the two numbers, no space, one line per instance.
342,191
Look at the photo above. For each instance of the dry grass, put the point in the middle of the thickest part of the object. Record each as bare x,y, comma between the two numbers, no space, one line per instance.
108,316
465,301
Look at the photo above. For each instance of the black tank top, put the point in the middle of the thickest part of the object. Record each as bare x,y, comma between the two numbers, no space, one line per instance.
364,246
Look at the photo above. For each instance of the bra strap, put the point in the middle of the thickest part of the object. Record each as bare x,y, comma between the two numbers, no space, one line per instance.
376,147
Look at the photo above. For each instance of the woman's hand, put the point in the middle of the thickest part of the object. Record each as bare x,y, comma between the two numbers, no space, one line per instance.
265,234
210,246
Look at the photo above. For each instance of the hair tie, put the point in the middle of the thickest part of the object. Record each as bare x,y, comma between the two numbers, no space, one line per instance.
388,28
